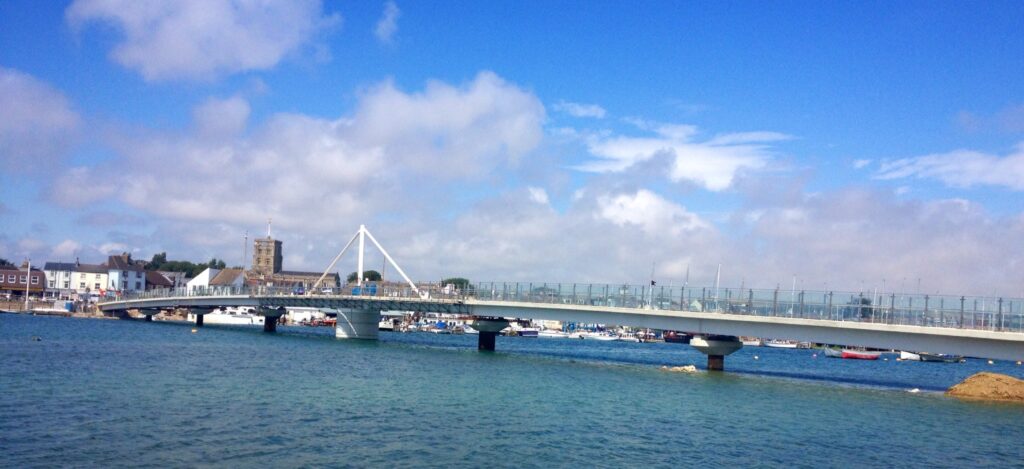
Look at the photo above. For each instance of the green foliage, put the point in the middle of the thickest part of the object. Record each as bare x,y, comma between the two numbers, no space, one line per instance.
5,262
370,275
457,282
160,262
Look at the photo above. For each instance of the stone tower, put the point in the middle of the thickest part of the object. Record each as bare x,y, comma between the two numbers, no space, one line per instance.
266,256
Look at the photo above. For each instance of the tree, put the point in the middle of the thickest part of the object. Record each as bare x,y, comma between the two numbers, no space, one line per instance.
370,275
457,282
5,262
157,262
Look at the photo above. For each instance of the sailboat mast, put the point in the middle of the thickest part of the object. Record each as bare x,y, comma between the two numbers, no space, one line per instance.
28,280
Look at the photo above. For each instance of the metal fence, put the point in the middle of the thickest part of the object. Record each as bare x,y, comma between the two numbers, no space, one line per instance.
964,312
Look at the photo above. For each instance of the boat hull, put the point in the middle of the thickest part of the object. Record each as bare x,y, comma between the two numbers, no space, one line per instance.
860,355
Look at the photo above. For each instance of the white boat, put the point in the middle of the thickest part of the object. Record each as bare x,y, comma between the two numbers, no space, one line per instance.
552,334
597,336
625,338
780,344
230,318
910,356
751,341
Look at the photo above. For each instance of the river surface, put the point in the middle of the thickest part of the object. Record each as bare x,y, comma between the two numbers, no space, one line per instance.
128,393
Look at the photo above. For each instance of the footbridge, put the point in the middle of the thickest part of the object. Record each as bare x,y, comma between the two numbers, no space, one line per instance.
988,328
970,326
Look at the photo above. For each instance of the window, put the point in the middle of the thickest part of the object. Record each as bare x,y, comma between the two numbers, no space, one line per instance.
96,286
138,285
81,285
35,280
50,283
10,279
24,279
97,276
67,284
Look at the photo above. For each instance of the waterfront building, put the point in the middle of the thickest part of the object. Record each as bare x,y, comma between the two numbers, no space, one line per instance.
232,278
202,281
89,279
14,280
178,279
267,261
266,256
156,280
58,280
125,275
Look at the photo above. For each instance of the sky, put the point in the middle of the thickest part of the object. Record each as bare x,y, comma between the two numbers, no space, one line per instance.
835,146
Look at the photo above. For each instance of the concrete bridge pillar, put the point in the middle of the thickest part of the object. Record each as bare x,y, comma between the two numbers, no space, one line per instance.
716,347
270,318
489,329
199,313
357,324
149,318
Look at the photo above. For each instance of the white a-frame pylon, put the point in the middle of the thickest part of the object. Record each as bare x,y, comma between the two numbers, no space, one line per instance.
362,234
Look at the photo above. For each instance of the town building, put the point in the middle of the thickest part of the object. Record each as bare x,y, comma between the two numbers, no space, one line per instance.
89,279
267,260
125,275
14,281
266,256
58,280
178,279
156,280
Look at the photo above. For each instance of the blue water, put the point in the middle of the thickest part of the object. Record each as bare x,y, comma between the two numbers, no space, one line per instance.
123,393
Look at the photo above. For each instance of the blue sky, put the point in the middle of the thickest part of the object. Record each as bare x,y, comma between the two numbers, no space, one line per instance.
548,141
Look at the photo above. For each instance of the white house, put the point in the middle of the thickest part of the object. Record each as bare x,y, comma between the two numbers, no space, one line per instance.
89,278
58,279
202,281
124,275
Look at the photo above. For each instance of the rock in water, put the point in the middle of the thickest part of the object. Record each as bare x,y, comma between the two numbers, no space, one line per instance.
990,386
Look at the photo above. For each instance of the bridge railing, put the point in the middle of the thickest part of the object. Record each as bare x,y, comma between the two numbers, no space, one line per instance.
965,312
982,313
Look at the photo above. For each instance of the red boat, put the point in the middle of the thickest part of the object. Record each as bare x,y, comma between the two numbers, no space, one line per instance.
860,354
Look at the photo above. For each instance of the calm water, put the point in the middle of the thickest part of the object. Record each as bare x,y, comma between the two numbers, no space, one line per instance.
123,393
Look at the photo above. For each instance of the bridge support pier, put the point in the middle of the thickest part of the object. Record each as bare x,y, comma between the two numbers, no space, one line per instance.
357,324
270,317
199,313
489,329
270,323
716,347
149,318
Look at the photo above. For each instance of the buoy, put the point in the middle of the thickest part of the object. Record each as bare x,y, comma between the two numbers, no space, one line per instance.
1018,362
756,357
814,355
194,330
885,359
36,338
914,390
990,362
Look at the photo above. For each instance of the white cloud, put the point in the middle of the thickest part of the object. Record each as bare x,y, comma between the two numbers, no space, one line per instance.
204,39
395,151
38,123
961,168
580,110
652,213
538,195
712,164
65,250
388,23
860,164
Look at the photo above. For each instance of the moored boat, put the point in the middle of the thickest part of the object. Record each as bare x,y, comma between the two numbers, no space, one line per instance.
676,337
909,356
860,354
941,358
780,344
751,341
